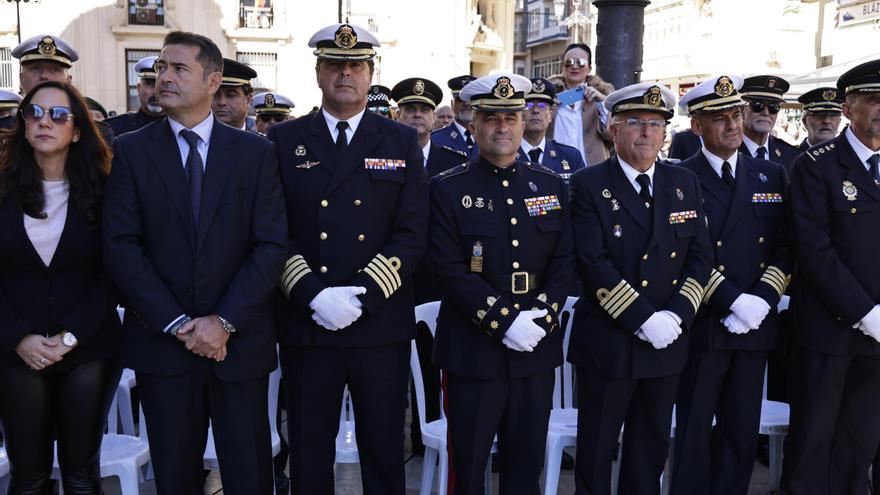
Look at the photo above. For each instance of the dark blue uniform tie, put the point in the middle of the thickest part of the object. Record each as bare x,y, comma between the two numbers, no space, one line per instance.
762,152
727,175
645,193
195,171
341,137
874,160
535,155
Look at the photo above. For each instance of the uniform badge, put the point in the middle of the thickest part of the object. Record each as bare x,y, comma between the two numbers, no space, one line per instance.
681,216
615,206
480,202
552,153
477,258
453,135
47,47
418,87
778,152
538,86
269,100
565,165
383,164
542,205
762,177
345,37
652,97
300,150
502,89
490,206
533,187
466,201
767,198
829,94
679,194
850,190
724,87
606,193
307,165
617,232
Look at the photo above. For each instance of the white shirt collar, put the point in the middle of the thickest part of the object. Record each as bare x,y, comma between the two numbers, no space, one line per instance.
461,129
753,146
353,123
425,152
862,151
203,128
716,161
631,174
526,146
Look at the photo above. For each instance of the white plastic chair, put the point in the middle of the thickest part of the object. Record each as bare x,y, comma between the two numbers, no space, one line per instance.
434,433
346,442
563,418
4,471
121,405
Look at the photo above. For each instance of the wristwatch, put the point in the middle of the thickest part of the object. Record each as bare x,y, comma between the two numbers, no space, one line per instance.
68,339
226,325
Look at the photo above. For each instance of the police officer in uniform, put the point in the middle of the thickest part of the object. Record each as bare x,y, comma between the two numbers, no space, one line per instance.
458,135
764,97
644,257
536,146
233,99
378,100
270,109
8,106
502,251
149,109
357,201
835,366
822,110
738,323
44,58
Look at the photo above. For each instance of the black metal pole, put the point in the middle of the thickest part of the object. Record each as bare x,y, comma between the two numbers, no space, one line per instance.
18,21
619,32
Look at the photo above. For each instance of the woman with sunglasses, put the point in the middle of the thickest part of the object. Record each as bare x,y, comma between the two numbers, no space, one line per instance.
59,329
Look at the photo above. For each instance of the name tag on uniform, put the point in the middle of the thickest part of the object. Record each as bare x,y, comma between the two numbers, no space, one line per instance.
542,205
681,216
766,198
383,164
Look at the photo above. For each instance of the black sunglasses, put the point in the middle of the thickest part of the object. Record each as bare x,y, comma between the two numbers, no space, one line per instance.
34,113
273,118
758,107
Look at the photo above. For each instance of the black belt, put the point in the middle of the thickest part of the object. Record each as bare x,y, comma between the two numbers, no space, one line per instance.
516,282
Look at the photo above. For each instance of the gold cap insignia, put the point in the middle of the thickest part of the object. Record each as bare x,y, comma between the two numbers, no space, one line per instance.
771,83
345,37
652,97
724,87
419,87
47,47
829,94
503,89
270,100
538,86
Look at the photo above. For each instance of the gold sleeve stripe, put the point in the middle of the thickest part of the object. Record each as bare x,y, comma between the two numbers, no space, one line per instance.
692,290
391,268
624,303
776,279
294,269
620,298
714,281
387,275
616,294
379,279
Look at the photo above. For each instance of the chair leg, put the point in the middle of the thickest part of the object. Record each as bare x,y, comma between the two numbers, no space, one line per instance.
124,402
429,462
112,418
776,452
128,480
552,465
4,485
443,474
487,476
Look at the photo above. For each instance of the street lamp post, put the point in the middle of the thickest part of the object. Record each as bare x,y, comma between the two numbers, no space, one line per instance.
577,20
619,33
18,16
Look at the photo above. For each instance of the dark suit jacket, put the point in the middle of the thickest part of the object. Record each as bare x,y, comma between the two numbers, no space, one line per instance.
356,217
164,266
632,263
684,145
749,235
72,293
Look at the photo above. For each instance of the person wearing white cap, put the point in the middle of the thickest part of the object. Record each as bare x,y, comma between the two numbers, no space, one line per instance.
644,258
8,105
503,259
270,109
149,109
719,398
357,208
44,58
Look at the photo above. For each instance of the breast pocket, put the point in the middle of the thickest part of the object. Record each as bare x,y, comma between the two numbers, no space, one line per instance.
381,176
858,207
686,229
551,225
769,209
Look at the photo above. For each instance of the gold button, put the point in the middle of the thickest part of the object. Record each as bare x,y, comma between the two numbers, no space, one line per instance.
509,201
357,202
720,268
361,237
515,243
673,254
505,183
645,257
516,265
853,210
760,240
644,283
325,203
675,282
512,221
762,265
719,243
323,236
323,269
516,305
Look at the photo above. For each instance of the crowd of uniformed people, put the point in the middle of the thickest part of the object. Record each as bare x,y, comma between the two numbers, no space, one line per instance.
740,271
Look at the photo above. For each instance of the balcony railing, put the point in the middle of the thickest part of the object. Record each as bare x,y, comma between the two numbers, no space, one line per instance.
255,17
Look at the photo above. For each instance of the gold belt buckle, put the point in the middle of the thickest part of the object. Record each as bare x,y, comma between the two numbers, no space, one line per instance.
519,282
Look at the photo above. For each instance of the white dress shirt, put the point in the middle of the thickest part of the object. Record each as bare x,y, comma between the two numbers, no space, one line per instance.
753,147
862,151
425,152
631,174
45,233
716,162
568,128
353,123
527,147
203,129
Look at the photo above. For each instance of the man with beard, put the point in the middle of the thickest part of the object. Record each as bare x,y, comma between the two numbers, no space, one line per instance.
822,111
232,100
457,135
443,117
149,109
536,146
583,125
271,109
764,97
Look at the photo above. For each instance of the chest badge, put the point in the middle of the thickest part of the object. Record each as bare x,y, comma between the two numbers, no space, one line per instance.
606,193
307,165
565,165
477,258
552,153
616,231
679,194
533,187
300,150
453,135
850,190
480,202
762,177
615,206
467,201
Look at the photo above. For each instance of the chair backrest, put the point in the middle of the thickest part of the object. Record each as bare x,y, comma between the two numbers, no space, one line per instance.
563,389
425,313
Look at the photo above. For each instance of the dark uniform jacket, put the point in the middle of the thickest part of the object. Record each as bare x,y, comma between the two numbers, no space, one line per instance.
128,122
684,145
442,158
633,261
749,236
356,217
779,151
560,158
489,228
835,210
450,137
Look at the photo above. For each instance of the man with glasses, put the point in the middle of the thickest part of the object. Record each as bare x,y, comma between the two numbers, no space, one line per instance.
583,124
732,335
149,109
232,100
378,101
270,109
643,259
458,135
763,94
536,146
822,111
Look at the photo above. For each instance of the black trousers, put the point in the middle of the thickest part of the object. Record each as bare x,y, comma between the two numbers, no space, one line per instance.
377,379
518,411
728,385
605,404
73,404
834,427
177,409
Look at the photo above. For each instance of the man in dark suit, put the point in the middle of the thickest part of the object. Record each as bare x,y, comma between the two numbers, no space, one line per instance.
764,97
457,135
738,323
149,110
357,209
835,366
644,258
195,237
502,252
684,145
822,111
536,146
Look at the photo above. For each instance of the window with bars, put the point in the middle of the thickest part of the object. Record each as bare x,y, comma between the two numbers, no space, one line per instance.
146,12
131,59
7,70
546,67
265,64
256,14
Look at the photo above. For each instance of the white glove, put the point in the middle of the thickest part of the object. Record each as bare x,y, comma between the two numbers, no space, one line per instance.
735,325
524,334
334,308
661,329
870,324
750,309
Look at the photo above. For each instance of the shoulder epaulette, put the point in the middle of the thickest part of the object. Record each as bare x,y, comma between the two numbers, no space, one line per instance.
540,168
457,152
452,172
820,149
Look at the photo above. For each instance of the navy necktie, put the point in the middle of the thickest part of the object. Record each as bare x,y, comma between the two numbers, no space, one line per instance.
468,140
727,175
195,171
874,161
645,192
762,152
535,155
341,137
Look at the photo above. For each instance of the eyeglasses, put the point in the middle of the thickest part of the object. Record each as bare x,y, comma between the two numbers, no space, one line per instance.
273,118
540,104
653,124
759,106
59,115
580,62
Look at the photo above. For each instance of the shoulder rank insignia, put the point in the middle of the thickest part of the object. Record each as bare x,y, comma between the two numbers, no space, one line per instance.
452,172
457,152
816,152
